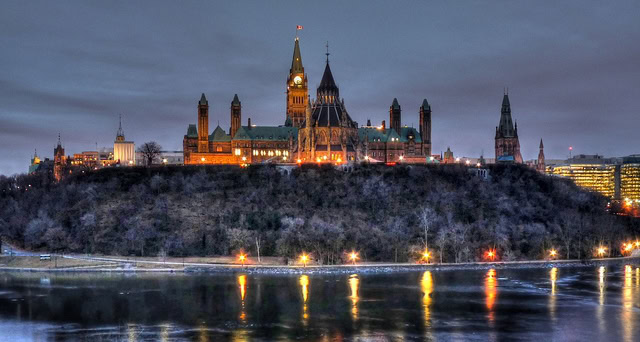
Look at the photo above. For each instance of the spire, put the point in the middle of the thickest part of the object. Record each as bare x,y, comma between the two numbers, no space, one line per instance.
296,63
505,128
59,142
120,132
541,145
328,85
236,100
327,52
395,104
203,100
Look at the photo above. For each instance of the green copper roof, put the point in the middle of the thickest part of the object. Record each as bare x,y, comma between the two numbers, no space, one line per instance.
192,131
377,135
296,63
405,132
270,133
395,104
219,135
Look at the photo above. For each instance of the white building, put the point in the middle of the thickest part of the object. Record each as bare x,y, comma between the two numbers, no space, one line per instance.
124,151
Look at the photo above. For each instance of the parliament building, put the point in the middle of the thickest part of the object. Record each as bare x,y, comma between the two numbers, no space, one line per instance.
314,131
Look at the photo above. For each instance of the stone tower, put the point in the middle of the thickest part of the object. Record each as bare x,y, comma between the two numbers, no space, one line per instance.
395,116
540,165
507,145
236,115
297,90
425,127
59,160
203,124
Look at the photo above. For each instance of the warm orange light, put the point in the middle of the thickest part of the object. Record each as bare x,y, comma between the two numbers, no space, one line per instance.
339,160
491,254
353,256
202,159
553,253
601,250
242,258
304,258
426,255
299,161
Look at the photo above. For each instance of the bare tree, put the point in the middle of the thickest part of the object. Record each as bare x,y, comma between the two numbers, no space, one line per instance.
426,216
150,152
441,241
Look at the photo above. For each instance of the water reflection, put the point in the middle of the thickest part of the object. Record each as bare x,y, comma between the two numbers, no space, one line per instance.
600,312
242,284
627,305
427,289
304,283
491,292
552,299
354,284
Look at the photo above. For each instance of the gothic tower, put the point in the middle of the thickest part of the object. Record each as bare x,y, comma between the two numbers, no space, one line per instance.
297,90
394,116
120,133
203,124
236,115
540,165
59,160
425,127
507,144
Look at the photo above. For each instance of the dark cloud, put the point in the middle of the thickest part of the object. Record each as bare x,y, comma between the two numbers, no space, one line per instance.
72,67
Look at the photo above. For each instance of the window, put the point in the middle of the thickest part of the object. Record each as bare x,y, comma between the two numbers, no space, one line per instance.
237,152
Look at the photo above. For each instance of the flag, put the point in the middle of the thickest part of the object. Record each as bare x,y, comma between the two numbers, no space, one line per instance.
299,27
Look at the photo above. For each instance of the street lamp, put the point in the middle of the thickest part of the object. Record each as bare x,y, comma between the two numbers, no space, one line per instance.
304,258
553,253
353,256
242,258
601,251
491,254
426,255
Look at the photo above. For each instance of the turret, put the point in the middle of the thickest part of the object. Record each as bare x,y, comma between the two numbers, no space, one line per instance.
203,124
236,115
395,116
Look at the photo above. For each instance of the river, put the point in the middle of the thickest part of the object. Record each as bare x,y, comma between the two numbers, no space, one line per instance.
573,304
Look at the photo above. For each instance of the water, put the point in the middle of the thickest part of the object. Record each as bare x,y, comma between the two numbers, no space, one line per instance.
581,304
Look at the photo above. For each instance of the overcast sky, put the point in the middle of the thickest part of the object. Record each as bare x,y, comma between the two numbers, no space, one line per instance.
572,68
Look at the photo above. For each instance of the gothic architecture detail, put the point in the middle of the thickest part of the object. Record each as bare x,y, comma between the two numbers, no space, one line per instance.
540,165
124,152
59,160
507,144
315,131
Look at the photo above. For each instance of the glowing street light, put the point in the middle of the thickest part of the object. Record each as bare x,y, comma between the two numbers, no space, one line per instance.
366,158
304,258
284,158
553,253
491,254
401,158
164,161
353,256
202,159
467,162
601,251
426,255
458,160
244,159
242,258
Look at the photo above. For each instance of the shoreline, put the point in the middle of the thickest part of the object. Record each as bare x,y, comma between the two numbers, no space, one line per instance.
336,269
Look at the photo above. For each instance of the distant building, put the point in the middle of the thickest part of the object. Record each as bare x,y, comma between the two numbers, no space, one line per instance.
616,178
123,151
448,157
59,161
35,163
318,131
507,144
540,162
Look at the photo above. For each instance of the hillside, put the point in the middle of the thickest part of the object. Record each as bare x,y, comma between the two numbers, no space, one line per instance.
380,211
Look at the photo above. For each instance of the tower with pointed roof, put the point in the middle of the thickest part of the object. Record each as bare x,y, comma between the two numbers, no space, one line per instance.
59,160
395,112
236,115
203,124
540,165
297,89
507,144
124,152
425,127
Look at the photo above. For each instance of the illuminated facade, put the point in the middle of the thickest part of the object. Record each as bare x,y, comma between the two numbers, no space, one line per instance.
124,152
59,161
630,179
507,144
319,130
35,162
597,177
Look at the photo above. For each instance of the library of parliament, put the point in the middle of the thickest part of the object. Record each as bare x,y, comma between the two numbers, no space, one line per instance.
314,131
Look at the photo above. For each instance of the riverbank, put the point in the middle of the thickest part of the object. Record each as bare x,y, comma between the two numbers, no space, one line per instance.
132,265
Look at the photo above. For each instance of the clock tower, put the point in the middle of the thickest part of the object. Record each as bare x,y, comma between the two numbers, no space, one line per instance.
297,90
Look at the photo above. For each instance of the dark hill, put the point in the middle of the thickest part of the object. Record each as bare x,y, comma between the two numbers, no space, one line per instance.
381,211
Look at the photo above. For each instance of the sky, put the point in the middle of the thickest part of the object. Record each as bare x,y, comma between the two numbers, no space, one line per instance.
71,67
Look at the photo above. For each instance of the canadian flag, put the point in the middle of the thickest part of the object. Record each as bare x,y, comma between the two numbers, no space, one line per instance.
299,27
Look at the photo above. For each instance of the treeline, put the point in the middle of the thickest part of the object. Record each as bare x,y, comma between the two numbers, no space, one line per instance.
384,213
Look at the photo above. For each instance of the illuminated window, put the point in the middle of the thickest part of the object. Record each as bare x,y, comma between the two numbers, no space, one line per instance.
237,152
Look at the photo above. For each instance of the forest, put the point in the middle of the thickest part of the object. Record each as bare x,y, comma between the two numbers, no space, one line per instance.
384,213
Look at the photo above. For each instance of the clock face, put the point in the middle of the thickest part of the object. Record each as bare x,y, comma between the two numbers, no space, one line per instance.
297,80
